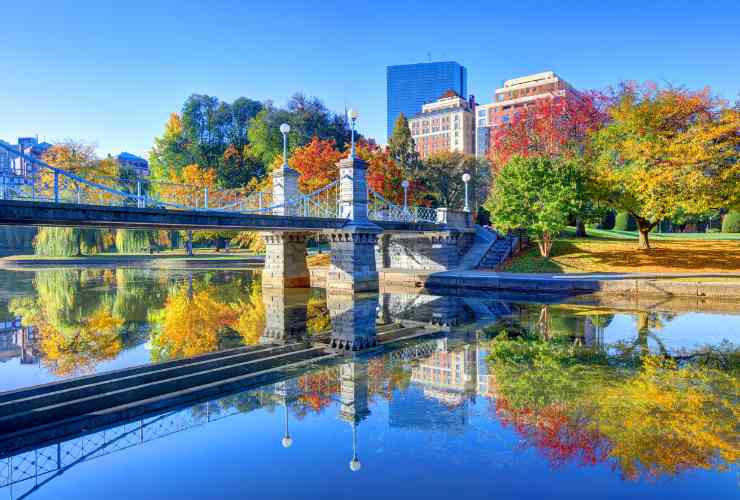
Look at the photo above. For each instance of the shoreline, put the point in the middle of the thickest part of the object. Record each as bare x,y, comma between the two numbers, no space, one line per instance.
698,285
154,261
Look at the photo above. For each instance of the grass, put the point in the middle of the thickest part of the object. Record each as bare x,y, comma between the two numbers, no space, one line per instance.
617,252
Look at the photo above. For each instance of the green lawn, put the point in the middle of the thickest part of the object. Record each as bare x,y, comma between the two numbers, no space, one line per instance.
616,251
633,235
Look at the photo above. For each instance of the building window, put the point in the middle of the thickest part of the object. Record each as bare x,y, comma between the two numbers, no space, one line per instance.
482,112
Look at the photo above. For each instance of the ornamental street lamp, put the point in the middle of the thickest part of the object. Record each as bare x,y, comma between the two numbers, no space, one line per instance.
284,129
352,114
287,440
354,464
466,179
405,186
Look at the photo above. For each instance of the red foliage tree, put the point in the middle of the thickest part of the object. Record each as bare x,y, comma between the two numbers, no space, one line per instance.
555,434
384,176
550,127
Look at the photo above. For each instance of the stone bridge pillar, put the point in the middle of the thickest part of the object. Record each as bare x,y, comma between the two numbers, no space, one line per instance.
353,266
284,189
352,320
286,315
285,251
285,260
354,391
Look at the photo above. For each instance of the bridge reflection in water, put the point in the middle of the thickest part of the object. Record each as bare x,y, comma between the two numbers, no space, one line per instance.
404,329
434,373
347,385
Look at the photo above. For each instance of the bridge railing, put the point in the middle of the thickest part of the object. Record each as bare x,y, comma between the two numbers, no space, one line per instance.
379,208
23,177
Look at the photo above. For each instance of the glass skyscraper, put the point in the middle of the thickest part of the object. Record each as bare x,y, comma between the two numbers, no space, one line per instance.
411,85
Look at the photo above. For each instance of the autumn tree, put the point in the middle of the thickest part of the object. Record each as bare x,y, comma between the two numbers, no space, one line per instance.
549,127
170,153
385,175
538,195
78,158
317,163
554,127
668,150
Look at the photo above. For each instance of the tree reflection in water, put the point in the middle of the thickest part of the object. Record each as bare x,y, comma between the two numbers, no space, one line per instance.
648,414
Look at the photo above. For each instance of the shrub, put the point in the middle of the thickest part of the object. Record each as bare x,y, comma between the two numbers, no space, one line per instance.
624,222
607,222
731,222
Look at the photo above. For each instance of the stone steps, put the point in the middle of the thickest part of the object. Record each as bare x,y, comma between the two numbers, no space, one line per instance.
484,240
94,397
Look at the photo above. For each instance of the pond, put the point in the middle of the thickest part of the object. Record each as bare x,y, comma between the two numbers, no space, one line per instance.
512,398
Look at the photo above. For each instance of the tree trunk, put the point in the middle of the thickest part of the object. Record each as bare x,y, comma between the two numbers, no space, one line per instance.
545,244
580,228
644,241
644,227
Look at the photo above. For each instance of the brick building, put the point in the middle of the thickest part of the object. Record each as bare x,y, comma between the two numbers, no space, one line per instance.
444,125
516,95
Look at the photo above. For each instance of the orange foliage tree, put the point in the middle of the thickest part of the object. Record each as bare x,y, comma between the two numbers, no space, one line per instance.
317,163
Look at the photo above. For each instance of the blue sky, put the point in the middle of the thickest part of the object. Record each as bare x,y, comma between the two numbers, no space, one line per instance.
112,74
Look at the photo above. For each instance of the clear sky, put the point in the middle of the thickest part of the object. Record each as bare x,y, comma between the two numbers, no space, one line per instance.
112,74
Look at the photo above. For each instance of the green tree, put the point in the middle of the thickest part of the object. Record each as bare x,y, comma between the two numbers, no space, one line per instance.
403,148
441,175
170,152
538,195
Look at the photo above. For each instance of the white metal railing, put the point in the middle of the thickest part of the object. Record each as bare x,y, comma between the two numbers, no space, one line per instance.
379,208
23,177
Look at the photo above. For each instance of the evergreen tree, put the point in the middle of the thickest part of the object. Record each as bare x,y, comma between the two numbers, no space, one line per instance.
403,147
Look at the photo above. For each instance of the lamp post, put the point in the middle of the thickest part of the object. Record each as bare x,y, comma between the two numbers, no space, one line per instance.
352,114
287,440
354,464
284,129
466,179
405,186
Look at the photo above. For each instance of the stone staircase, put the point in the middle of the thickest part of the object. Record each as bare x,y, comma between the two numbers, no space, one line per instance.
108,397
485,239
490,250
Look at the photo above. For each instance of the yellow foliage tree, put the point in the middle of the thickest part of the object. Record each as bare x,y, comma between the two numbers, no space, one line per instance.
666,420
79,350
666,151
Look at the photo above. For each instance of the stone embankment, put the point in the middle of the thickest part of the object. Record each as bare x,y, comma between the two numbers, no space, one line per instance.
644,284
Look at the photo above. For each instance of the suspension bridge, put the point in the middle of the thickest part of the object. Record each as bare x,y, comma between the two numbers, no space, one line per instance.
33,192
346,212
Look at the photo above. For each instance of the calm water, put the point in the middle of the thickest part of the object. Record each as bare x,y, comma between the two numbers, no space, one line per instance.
516,400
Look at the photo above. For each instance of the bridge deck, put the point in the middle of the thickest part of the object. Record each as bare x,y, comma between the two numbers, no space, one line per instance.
37,213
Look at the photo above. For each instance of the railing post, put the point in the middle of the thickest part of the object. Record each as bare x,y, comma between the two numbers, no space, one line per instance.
205,197
56,187
259,196
138,193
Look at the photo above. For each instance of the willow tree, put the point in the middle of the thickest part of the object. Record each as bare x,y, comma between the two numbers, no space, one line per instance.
667,151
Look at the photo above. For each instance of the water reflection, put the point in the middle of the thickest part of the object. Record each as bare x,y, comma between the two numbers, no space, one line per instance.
590,387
